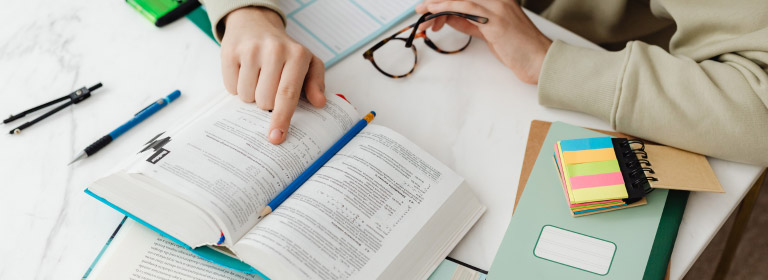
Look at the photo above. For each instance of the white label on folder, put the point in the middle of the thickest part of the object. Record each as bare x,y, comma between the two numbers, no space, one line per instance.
575,250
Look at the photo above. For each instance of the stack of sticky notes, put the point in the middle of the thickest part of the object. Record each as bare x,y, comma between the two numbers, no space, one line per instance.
592,178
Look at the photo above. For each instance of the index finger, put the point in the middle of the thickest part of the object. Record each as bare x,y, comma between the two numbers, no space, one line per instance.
287,97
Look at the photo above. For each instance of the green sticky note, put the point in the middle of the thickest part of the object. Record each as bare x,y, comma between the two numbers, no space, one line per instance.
592,168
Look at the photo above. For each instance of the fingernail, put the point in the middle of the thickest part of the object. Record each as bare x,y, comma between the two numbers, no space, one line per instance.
276,134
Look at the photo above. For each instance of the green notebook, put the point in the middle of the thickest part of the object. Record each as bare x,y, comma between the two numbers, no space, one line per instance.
544,241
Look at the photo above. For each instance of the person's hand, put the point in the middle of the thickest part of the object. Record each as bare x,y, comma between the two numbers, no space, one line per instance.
511,36
261,63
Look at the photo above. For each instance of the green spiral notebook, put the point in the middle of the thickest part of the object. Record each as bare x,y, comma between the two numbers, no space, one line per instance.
544,241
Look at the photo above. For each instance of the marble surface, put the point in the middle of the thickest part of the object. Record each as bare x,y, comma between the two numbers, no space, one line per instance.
465,109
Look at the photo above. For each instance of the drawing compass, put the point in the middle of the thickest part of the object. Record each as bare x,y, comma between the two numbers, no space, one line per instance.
75,97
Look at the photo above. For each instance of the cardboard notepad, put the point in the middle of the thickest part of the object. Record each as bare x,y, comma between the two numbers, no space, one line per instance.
676,169
681,170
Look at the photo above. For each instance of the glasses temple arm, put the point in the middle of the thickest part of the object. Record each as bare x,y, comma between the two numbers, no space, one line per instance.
422,19
478,19
415,26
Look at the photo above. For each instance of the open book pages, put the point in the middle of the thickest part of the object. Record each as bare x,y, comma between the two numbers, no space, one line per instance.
380,207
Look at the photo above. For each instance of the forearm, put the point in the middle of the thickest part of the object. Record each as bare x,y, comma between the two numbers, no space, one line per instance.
219,9
714,107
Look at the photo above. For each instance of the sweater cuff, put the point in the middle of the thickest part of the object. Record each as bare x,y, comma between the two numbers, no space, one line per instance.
218,9
581,79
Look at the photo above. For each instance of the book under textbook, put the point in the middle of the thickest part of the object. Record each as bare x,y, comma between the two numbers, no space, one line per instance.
379,208
134,251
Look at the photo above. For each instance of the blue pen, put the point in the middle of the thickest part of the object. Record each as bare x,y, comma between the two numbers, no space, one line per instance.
139,117
317,164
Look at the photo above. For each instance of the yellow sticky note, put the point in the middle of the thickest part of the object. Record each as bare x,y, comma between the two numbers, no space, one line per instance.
599,193
576,157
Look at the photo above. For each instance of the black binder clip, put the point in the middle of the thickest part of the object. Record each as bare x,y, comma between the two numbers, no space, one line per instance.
74,98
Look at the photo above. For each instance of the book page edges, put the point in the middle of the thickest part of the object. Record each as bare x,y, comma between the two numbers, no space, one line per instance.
642,201
448,218
202,251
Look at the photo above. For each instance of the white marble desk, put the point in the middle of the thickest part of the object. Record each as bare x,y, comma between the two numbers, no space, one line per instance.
466,109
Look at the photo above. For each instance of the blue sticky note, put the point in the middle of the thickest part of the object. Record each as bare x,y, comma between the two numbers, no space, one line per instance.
586,144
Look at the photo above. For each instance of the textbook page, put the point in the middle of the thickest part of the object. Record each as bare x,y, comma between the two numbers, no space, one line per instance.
137,252
352,218
332,29
223,163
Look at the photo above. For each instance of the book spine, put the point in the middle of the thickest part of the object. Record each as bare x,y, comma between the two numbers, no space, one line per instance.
666,234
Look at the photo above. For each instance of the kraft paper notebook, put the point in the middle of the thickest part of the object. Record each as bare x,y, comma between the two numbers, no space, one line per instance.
136,252
677,169
622,242
380,206
609,172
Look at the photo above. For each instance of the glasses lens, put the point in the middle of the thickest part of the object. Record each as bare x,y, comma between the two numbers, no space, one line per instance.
394,58
448,39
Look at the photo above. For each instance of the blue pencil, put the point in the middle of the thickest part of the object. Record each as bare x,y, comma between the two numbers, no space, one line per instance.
272,205
137,118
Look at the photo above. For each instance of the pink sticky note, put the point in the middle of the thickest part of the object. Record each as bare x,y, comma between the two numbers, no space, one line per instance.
597,180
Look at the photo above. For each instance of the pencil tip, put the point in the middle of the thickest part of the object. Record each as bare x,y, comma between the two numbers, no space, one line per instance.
265,212
79,156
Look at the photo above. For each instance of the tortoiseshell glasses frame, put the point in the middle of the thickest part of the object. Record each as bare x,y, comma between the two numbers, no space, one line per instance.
422,34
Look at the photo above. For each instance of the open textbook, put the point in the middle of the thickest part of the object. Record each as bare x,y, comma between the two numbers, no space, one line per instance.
380,207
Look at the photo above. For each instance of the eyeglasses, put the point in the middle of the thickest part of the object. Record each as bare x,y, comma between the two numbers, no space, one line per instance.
392,57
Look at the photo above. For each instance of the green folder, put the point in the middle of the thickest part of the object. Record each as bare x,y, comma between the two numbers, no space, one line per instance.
200,18
543,240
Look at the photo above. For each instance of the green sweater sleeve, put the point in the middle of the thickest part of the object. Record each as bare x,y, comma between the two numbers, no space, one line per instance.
717,106
218,9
